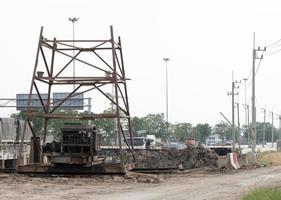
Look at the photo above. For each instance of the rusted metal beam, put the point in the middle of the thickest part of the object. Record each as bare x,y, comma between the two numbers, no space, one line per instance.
67,64
29,97
111,100
118,123
40,98
126,94
64,99
45,61
75,116
70,41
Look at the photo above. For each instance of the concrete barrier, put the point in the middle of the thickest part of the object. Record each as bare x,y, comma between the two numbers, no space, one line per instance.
232,160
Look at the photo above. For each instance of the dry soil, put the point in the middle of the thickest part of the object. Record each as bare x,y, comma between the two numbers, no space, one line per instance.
193,185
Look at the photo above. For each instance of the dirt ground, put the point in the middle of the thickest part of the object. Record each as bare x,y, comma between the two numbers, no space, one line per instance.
194,185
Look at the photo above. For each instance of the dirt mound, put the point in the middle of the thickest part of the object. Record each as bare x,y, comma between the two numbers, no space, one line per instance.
191,157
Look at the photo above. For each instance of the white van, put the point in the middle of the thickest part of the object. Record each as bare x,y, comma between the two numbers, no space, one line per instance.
152,139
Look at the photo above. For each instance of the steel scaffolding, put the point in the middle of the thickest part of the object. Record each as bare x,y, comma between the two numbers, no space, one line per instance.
49,72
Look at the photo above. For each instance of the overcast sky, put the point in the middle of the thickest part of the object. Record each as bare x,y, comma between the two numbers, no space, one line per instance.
205,41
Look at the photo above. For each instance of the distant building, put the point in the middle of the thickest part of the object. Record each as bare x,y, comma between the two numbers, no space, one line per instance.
213,140
11,131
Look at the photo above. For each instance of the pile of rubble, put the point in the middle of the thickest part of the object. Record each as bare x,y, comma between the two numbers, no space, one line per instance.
191,157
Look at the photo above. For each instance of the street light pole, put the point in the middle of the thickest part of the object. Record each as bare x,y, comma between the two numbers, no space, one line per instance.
73,20
167,97
253,129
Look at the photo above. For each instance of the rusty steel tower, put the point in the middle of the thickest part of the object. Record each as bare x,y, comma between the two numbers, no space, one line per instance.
99,66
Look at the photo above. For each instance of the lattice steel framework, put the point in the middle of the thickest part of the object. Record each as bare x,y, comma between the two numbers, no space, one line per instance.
52,74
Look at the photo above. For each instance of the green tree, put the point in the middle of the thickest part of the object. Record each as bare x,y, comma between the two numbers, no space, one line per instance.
182,131
259,132
224,130
138,124
54,126
202,132
106,127
268,132
155,124
37,122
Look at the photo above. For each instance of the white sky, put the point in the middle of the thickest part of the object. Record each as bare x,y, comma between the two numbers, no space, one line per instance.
206,41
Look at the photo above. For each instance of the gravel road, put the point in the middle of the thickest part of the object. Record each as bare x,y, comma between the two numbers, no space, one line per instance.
198,185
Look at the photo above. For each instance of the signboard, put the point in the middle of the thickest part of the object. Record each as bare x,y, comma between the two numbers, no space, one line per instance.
22,101
73,103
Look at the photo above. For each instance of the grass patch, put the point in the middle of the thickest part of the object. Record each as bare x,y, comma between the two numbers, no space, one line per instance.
263,194
269,158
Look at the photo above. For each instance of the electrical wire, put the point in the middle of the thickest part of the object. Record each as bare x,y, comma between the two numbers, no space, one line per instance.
273,44
249,75
258,67
274,52
279,45
250,83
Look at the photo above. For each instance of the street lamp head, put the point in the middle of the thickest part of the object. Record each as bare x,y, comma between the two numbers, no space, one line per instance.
73,19
166,59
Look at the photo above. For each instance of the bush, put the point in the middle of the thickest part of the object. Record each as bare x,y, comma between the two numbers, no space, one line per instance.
263,194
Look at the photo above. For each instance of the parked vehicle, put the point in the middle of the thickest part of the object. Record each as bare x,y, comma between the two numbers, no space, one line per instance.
151,139
138,142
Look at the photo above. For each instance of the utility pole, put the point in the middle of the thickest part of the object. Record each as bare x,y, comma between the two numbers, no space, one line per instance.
246,110
238,126
264,118
232,93
73,20
279,127
245,105
167,96
248,123
238,117
254,134
272,128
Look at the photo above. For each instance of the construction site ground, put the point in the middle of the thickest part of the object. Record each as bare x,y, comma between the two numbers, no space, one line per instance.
193,184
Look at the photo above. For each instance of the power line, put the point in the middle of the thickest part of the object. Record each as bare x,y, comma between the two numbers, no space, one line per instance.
258,66
274,52
279,45
273,44
249,76
250,83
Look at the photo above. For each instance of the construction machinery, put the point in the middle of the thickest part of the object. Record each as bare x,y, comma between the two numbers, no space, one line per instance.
78,144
